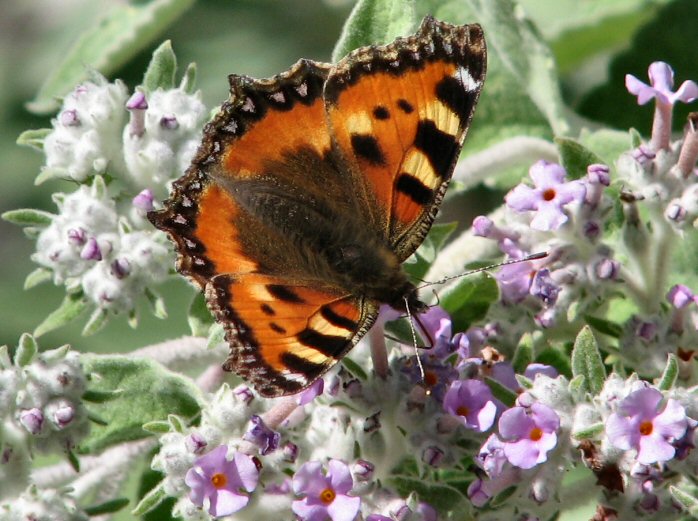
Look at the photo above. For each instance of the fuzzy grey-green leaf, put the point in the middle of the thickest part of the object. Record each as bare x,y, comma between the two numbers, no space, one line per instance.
151,500
587,361
34,138
375,22
72,306
26,350
161,69
125,30
670,374
28,217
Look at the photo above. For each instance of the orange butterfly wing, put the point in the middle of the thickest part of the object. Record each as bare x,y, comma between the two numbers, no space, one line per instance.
400,113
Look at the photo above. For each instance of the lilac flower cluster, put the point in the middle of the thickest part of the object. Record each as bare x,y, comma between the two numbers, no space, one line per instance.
41,409
123,151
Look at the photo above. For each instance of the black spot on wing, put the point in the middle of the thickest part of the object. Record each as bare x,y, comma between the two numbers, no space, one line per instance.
381,112
276,327
366,147
329,345
283,293
438,146
451,93
267,310
337,320
414,189
405,106
298,364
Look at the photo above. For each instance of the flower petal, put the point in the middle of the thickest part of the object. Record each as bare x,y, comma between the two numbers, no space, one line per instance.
523,453
308,512
224,502
653,449
672,422
547,175
344,508
523,198
622,432
515,424
339,476
246,474
688,92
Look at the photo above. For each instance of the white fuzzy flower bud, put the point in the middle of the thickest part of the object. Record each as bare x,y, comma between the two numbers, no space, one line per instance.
164,147
86,134
38,504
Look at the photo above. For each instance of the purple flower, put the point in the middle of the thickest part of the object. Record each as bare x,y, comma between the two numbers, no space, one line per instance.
491,456
662,81
515,281
534,369
91,250
195,443
680,296
312,392
262,436
481,490
437,375
543,287
548,197
472,402
32,420
143,201
326,496
643,423
219,485
529,434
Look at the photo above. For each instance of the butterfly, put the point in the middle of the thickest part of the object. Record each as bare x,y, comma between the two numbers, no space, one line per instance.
311,188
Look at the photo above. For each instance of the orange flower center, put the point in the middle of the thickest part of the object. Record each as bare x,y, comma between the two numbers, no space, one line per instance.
549,194
646,428
462,410
535,434
219,480
327,496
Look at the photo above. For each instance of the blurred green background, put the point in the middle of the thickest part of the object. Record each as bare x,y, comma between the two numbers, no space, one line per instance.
595,43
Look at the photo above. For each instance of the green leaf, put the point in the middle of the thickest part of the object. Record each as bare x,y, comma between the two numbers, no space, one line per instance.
501,392
524,53
47,174
73,304
575,157
688,501
604,326
670,374
36,277
34,138
199,317
157,427
216,336
157,304
587,361
523,354
354,368
577,385
97,321
468,300
26,350
441,496
125,30
418,264
591,432
375,22
161,70
93,396
149,392
108,507
28,217
177,424
151,500
188,83
73,460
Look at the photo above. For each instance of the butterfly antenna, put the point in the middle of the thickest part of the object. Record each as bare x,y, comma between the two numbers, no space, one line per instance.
534,256
414,340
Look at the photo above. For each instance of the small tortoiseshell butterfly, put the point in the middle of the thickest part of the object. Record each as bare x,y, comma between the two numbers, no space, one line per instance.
312,187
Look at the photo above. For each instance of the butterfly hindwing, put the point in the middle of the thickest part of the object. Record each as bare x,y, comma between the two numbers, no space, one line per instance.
284,333
399,113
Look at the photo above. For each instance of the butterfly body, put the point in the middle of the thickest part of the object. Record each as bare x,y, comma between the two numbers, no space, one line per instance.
311,188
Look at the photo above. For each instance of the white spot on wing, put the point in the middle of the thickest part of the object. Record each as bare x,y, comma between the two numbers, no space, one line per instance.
465,78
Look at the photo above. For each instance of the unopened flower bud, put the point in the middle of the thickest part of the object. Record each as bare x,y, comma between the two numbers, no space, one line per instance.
32,420
363,470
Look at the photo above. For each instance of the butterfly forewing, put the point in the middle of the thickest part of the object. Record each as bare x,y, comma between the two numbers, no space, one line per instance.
400,113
